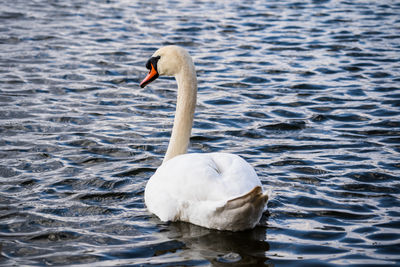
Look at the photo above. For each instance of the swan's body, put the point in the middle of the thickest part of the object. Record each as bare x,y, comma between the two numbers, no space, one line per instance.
213,190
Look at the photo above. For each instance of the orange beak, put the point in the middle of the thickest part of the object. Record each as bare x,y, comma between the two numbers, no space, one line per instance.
153,74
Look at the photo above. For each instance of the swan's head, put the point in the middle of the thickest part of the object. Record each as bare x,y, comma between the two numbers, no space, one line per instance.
167,61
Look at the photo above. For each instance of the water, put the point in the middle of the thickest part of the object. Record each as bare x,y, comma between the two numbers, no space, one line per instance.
307,92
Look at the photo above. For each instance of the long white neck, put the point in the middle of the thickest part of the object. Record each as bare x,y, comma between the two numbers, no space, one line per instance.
185,106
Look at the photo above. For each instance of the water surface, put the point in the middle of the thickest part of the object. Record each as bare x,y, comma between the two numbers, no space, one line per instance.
307,92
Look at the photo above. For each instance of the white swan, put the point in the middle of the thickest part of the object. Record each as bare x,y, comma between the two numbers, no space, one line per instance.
214,190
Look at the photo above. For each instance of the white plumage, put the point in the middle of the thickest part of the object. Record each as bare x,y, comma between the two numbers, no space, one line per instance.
213,190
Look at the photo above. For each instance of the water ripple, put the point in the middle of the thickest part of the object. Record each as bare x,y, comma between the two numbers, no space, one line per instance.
306,91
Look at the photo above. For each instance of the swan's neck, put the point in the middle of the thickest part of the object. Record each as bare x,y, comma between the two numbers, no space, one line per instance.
185,106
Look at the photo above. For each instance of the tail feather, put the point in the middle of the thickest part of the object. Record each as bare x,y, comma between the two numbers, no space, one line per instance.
255,196
244,211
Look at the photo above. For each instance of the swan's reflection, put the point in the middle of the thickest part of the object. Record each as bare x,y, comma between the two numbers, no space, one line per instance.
219,247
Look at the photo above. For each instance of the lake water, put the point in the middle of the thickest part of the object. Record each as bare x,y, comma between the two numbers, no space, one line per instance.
306,91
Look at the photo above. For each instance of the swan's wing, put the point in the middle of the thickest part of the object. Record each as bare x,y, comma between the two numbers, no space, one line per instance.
211,190
205,177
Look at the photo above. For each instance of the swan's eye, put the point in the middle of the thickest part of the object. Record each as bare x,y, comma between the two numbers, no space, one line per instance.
148,64
152,61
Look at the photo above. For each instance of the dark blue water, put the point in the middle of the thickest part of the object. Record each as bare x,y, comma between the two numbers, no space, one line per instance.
308,92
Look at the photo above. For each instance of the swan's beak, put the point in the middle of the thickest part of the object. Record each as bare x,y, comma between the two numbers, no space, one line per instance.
153,74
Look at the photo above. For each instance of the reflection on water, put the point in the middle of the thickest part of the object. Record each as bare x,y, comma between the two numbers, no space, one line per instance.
219,247
306,91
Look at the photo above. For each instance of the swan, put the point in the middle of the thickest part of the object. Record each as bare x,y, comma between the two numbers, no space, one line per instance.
213,190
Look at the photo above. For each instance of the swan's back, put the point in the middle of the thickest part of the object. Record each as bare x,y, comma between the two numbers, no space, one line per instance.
210,190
